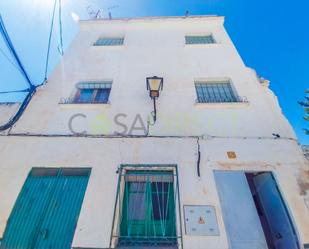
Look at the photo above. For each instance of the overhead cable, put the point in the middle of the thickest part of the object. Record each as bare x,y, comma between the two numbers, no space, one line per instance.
49,40
60,46
9,60
32,88
12,50
15,91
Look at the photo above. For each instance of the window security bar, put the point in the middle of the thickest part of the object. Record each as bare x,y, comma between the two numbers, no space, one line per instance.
147,208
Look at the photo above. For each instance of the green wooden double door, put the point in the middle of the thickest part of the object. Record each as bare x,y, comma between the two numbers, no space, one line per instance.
47,209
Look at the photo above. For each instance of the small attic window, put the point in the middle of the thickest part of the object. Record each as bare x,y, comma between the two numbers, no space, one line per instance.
109,41
200,39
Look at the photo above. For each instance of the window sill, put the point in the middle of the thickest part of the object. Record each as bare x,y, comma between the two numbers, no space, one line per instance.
208,45
85,105
222,105
111,47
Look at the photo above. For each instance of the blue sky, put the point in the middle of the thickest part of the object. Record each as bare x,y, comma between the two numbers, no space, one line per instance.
271,36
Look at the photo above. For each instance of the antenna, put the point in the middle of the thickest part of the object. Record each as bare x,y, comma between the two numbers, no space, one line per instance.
94,12
113,7
110,8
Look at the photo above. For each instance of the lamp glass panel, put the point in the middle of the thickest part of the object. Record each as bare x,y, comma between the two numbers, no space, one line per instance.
154,84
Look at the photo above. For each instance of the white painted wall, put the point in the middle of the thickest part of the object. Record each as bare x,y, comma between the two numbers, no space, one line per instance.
154,47
105,155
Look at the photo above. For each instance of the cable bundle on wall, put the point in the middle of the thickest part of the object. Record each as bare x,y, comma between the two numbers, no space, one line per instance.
30,90
19,66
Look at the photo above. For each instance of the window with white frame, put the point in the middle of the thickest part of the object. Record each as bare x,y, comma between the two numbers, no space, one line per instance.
215,92
199,39
92,92
109,41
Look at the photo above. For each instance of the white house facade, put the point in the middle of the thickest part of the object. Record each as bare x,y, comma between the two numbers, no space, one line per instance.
108,156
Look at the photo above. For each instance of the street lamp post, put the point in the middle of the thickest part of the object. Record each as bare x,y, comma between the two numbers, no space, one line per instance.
154,86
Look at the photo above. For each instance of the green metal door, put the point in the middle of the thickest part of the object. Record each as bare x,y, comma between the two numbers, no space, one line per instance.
46,211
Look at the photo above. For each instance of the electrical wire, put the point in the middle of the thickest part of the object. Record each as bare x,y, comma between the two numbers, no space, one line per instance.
32,88
12,50
20,111
200,137
15,91
49,39
9,60
60,47
14,65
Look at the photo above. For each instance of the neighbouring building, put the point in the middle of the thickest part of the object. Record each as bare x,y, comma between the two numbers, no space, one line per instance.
108,156
306,151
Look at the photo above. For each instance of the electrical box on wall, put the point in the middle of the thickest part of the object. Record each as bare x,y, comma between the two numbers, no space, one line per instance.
201,220
231,154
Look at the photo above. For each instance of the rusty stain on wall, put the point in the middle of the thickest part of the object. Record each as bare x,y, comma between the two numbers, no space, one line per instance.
303,182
